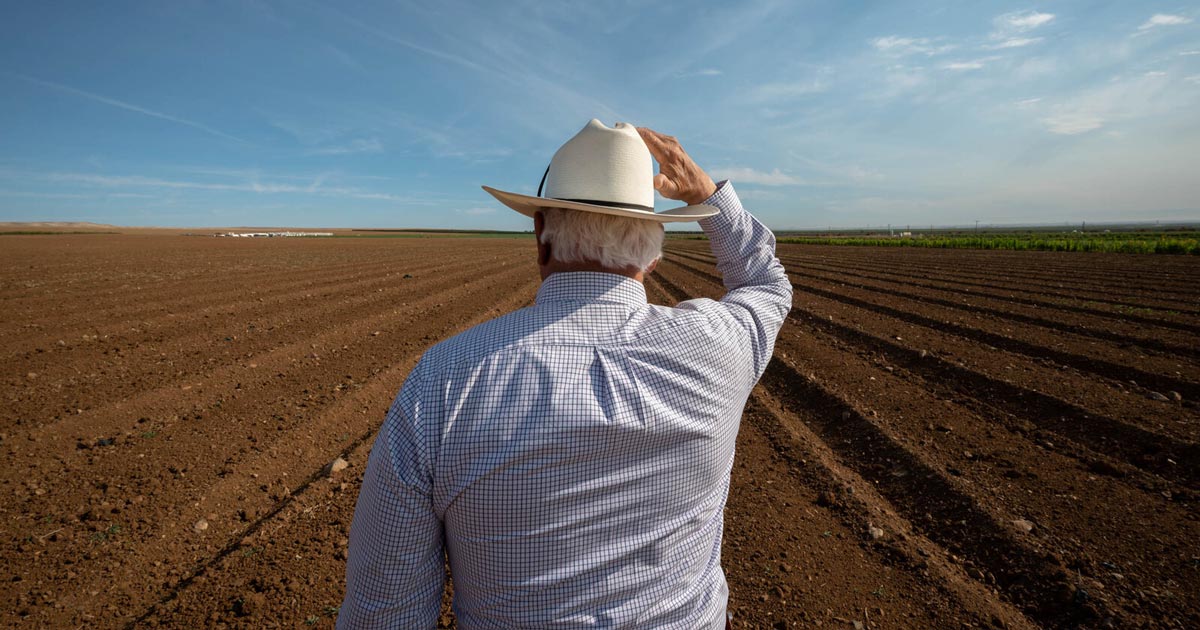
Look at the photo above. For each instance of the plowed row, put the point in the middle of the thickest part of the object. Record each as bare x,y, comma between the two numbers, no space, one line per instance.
945,438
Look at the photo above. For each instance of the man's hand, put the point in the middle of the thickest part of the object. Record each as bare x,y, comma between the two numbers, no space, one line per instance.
678,176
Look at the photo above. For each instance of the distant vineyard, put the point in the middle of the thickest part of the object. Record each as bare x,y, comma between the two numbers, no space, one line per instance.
1119,243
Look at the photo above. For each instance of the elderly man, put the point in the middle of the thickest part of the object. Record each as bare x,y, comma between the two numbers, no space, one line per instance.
571,459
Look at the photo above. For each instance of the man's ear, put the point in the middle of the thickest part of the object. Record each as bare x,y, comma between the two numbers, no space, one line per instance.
539,223
651,267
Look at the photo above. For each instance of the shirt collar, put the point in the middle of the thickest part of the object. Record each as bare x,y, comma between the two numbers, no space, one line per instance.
591,286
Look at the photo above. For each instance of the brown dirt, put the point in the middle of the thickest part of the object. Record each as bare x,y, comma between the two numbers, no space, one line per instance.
944,400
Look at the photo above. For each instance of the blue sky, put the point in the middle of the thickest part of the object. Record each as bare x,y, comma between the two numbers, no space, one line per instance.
392,114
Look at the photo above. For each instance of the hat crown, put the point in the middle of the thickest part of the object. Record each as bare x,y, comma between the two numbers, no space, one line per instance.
608,165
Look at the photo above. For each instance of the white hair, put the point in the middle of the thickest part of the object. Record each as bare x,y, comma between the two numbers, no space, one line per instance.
611,241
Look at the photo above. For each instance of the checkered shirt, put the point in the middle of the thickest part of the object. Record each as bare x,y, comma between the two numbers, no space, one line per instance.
571,459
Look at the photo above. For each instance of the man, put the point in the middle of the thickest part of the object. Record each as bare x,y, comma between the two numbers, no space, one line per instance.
572,459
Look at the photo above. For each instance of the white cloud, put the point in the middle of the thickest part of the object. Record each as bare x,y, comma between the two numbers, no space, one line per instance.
1021,21
900,46
1164,19
476,211
128,106
1073,123
255,186
703,72
743,175
1010,30
1156,73
965,65
1015,42
1121,100
1195,78
1027,103
1189,53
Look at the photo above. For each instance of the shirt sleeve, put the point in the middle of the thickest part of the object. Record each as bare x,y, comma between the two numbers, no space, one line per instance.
395,573
758,292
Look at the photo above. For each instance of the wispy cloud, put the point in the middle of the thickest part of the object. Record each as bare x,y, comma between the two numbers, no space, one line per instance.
396,39
704,72
1014,42
1164,19
1011,30
476,211
360,145
343,57
1122,100
744,175
1021,21
1072,123
49,195
504,60
1027,103
126,106
900,46
258,186
965,65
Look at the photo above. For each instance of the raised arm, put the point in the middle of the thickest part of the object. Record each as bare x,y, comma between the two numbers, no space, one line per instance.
759,294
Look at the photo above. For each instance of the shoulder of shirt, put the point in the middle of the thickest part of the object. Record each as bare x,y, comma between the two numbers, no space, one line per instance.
522,328
479,340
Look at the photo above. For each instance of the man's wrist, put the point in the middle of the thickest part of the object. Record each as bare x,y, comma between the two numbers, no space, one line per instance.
699,199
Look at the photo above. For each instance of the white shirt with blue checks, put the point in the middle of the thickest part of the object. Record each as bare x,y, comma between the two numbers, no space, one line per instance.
572,458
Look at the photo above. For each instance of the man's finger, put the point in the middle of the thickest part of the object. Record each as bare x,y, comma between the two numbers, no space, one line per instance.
665,186
654,142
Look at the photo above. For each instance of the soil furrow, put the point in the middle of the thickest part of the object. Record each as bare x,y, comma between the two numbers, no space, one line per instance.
999,482
200,285
923,494
1106,283
1062,269
888,275
1082,327
1003,292
1163,455
154,312
1176,423
157,360
904,463
156,483
1107,294
379,391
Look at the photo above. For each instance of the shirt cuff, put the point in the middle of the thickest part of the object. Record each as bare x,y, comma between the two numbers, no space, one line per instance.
726,200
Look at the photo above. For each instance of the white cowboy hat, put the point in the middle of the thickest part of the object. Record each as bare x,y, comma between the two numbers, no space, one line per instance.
605,170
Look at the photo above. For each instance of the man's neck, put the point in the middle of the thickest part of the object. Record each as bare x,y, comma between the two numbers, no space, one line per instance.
555,266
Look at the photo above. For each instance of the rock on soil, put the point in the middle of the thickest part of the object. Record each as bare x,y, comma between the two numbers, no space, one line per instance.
338,465
1023,525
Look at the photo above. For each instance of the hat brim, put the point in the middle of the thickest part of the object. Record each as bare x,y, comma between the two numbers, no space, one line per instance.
529,205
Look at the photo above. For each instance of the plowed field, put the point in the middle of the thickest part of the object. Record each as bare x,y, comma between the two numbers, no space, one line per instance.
945,439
